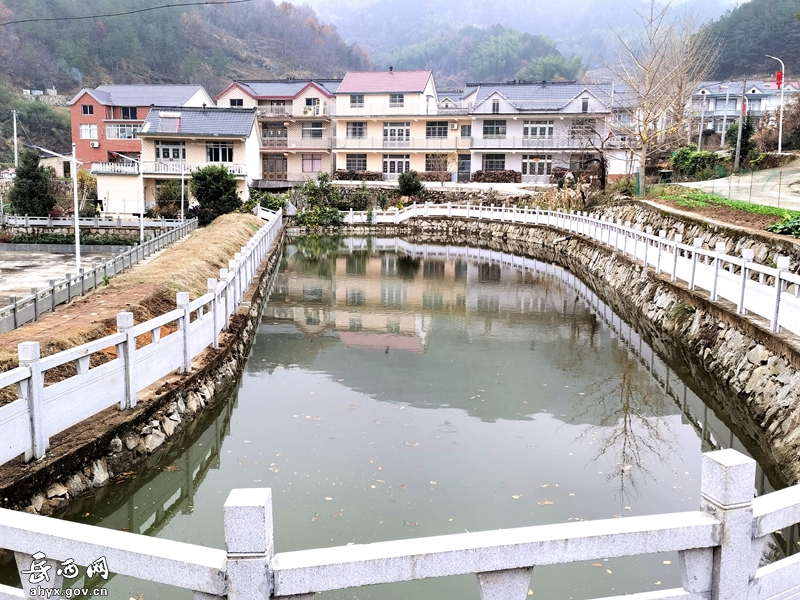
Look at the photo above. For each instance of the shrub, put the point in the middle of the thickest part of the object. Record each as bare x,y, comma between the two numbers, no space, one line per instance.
361,199
320,216
214,187
350,175
408,184
497,177
695,164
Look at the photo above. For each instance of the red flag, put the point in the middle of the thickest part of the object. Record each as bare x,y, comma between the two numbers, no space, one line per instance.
779,79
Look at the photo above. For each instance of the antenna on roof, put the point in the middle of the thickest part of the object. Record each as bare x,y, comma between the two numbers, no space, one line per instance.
391,69
544,82
204,105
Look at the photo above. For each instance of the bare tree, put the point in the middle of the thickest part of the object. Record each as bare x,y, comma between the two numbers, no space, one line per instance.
659,71
442,164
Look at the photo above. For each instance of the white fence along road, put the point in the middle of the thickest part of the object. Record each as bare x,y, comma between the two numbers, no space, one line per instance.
27,424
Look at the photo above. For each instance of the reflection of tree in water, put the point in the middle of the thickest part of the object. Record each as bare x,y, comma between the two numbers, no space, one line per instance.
317,255
407,267
627,410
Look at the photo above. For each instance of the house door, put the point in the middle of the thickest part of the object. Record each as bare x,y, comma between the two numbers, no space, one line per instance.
394,164
274,167
396,135
464,167
273,135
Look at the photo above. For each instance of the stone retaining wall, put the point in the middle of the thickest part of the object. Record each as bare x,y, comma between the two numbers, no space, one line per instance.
83,458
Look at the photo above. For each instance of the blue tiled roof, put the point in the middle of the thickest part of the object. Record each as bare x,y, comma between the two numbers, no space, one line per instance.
226,122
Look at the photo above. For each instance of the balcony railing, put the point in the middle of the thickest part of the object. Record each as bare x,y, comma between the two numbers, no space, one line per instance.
115,168
176,168
378,143
320,110
383,109
323,143
533,143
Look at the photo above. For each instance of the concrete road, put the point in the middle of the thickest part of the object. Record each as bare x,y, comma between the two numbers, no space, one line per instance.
774,187
21,271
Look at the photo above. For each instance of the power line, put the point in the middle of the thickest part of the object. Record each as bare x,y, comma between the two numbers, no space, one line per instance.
129,12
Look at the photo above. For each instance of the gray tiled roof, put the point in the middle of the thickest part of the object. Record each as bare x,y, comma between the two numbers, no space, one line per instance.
225,122
287,88
734,87
142,95
552,96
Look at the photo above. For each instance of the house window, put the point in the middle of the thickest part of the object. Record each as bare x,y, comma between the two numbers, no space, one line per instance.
357,130
537,129
494,129
219,152
584,105
355,298
122,132
170,151
436,129
397,100
128,113
623,117
237,103
436,162
87,109
312,163
494,162
356,100
356,162
466,131
312,106
88,131
312,130
495,106
537,164
581,128
393,294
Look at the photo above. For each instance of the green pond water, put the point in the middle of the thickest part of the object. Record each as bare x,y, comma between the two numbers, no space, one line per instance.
398,390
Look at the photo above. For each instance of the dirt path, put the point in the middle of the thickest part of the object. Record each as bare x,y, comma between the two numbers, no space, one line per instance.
147,290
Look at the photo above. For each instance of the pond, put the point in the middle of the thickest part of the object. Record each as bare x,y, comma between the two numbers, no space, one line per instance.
397,390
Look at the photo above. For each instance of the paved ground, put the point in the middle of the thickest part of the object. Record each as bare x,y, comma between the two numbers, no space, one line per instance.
773,187
21,271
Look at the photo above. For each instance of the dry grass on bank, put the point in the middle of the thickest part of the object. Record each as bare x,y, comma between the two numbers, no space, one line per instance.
148,291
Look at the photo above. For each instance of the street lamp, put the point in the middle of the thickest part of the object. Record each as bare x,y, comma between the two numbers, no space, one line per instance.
725,115
783,84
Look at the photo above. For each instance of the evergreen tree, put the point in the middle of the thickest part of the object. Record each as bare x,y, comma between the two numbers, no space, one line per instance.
30,194
214,187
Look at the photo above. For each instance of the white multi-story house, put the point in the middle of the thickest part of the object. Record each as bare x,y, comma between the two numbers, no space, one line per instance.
534,128
295,126
175,142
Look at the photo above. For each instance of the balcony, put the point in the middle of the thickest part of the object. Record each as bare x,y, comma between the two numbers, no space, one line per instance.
114,168
268,112
381,109
297,143
524,143
380,143
176,168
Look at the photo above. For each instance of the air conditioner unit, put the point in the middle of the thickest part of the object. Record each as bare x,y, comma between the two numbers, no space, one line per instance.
454,126
94,144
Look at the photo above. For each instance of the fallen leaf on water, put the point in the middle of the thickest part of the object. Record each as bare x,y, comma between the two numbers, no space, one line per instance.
413,445
530,592
667,562
328,498
545,502
257,480
240,462
126,476
315,517
412,523
247,441
401,486
448,520
334,515
380,481
171,468
517,496
609,571
313,418
352,406
658,583
373,486
572,494
380,468
340,380
86,515
434,483
626,468
350,543
273,469
377,423
597,565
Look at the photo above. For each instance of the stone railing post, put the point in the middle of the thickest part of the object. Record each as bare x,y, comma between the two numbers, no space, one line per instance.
212,289
248,540
184,326
126,352
698,243
728,486
662,235
783,263
675,250
747,256
719,249
31,390
511,584
226,312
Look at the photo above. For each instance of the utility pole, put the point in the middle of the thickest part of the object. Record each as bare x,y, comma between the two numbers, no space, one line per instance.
76,208
741,125
16,150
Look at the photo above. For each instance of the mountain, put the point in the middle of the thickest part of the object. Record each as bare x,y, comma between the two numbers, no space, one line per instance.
179,44
749,32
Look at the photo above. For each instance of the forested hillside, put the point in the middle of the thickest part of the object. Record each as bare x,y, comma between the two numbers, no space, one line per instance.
750,31
191,44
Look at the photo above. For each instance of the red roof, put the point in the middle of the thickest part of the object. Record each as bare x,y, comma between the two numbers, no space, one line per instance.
371,82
